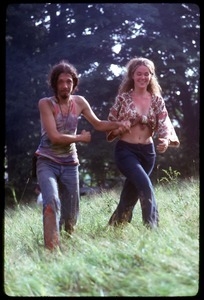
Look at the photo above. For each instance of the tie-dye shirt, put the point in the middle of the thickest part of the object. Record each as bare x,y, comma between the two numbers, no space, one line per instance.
63,154
157,118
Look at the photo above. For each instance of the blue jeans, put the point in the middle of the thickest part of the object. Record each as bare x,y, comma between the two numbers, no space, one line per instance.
59,186
136,162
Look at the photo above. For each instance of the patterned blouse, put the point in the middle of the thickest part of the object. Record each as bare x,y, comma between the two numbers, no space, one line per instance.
157,118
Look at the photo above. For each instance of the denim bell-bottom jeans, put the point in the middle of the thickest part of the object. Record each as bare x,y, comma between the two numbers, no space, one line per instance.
59,186
136,162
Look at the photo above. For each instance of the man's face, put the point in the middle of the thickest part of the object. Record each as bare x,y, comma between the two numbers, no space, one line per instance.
64,85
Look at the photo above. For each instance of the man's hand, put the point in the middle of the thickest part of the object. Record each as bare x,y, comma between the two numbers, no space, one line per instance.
85,136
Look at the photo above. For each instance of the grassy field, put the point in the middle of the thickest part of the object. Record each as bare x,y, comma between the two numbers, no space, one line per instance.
99,260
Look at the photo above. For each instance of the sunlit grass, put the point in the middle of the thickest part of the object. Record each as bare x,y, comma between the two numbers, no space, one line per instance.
99,260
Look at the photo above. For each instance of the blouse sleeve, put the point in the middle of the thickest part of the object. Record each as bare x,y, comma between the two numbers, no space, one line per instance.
165,128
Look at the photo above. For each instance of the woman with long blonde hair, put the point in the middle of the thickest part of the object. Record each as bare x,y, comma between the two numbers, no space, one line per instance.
139,100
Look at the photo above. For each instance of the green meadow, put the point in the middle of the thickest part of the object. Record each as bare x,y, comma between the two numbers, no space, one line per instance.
99,260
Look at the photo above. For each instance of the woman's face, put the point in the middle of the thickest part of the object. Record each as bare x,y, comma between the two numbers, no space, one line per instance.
142,77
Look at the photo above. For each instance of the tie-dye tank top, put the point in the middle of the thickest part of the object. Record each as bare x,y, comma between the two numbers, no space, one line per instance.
63,154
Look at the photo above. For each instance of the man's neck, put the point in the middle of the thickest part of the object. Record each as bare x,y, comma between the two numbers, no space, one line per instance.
63,100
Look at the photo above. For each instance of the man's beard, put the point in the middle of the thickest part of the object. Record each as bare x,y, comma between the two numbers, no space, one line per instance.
64,95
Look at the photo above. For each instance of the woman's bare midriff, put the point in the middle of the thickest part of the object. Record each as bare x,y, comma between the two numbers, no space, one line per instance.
139,134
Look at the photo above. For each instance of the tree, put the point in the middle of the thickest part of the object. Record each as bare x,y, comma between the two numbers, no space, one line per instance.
39,35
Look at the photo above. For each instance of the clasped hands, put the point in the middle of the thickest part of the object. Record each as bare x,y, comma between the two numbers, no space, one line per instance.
124,127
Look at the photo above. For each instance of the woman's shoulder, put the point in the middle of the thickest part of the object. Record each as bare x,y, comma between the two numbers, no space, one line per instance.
124,96
156,98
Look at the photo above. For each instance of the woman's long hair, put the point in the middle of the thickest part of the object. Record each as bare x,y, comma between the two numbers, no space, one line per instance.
128,83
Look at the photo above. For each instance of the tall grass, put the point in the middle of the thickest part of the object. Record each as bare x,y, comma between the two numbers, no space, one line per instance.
99,260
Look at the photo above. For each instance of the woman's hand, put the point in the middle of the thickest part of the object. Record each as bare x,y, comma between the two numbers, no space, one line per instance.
162,145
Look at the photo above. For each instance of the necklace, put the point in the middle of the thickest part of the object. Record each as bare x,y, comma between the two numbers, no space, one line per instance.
65,120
